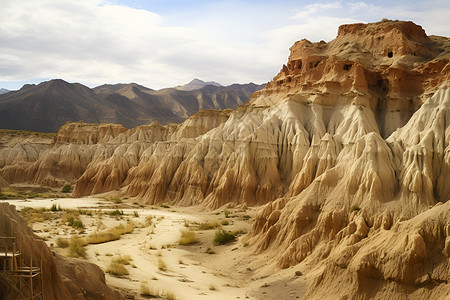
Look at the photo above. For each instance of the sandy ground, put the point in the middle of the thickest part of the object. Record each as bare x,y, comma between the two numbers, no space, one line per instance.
232,272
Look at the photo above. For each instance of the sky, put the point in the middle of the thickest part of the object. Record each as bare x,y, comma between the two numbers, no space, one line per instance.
166,43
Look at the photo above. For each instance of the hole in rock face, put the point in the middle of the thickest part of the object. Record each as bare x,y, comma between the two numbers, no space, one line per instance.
390,54
347,67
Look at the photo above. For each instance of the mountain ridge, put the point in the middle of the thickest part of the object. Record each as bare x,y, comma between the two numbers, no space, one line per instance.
47,106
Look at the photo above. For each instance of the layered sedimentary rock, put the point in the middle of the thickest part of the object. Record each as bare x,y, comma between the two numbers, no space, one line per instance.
64,278
349,146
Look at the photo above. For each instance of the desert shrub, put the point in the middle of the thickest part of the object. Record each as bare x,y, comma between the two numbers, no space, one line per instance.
170,296
111,234
122,259
147,291
162,265
245,217
226,213
212,287
187,237
210,251
225,222
116,200
222,237
117,269
116,212
62,242
208,225
76,247
66,189
55,207
136,214
78,224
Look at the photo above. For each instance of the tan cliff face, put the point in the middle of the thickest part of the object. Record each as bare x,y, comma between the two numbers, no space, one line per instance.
348,147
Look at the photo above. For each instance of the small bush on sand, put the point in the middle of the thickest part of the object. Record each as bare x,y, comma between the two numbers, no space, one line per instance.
55,207
187,237
208,225
222,237
62,242
162,265
117,269
122,259
116,212
76,248
111,234
147,291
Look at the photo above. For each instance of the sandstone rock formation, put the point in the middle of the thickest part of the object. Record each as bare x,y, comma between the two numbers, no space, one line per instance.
348,147
64,278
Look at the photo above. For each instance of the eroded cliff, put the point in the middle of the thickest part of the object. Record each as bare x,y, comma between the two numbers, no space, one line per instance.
349,147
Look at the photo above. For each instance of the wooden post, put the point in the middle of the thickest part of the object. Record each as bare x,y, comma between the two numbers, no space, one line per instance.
42,280
31,277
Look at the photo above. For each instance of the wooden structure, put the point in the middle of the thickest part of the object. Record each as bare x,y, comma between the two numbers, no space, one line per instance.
17,280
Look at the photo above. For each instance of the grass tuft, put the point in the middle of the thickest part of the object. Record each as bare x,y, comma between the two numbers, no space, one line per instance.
62,242
187,237
76,247
117,269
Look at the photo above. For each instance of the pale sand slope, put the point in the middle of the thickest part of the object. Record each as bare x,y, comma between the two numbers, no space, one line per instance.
232,272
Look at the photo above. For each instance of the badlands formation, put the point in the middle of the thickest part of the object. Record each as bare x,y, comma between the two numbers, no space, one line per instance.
347,150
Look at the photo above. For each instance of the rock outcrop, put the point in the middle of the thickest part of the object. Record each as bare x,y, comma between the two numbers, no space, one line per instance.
64,278
348,147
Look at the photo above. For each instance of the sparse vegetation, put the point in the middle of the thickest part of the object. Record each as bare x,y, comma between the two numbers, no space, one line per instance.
208,225
122,259
246,217
210,251
187,237
111,234
116,212
162,265
223,237
66,189
117,269
147,291
76,248
226,213
78,224
355,207
212,287
116,200
55,207
225,222
62,242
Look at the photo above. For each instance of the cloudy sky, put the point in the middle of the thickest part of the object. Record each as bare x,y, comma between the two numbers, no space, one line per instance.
169,42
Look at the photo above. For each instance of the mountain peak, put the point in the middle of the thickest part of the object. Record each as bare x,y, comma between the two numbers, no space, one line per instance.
3,91
196,84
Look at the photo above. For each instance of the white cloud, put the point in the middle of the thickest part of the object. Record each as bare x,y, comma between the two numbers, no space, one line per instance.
95,41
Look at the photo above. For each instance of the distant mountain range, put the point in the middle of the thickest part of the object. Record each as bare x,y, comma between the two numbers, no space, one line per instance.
196,84
3,91
47,106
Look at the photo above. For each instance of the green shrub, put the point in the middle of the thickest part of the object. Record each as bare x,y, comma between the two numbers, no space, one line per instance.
55,207
227,213
78,224
66,189
116,212
222,237
225,222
